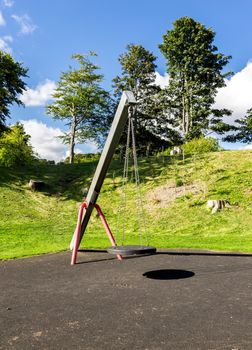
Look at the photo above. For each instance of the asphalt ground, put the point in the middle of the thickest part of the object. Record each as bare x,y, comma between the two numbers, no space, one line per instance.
171,300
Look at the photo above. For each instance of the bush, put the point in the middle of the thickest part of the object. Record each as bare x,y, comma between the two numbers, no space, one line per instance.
83,158
179,182
46,161
15,149
165,153
201,145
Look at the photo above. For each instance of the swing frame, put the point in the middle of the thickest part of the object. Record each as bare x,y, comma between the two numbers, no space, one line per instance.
126,103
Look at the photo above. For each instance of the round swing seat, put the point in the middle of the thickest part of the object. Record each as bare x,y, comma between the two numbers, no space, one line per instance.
131,250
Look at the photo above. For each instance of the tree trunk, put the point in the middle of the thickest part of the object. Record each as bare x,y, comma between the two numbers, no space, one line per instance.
148,150
187,107
183,115
72,138
191,111
187,115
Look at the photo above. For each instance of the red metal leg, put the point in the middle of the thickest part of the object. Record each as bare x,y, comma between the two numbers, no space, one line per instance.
78,231
107,228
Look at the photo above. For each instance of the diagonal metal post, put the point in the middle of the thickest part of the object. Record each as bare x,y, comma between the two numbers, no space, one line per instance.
116,130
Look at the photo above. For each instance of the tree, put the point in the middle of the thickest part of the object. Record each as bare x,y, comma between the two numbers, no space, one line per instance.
243,131
138,75
11,85
80,100
195,72
15,149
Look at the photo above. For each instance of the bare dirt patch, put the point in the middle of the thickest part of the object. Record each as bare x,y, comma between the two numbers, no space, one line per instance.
164,195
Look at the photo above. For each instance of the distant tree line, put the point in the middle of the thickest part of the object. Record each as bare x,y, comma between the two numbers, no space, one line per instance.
168,116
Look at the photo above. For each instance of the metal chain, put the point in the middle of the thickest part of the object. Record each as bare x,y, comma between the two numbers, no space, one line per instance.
139,201
123,199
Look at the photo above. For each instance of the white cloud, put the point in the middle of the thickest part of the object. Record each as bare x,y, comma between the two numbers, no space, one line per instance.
40,95
25,22
161,80
88,147
46,143
44,139
2,20
76,151
91,147
247,147
4,43
237,95
8,3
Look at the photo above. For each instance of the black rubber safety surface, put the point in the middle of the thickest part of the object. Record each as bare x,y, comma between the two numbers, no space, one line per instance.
126,250
172,300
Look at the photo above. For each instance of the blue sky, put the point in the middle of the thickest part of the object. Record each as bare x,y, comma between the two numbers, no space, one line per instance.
44,34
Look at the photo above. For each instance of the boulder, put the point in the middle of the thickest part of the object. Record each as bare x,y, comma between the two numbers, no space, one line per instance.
36,185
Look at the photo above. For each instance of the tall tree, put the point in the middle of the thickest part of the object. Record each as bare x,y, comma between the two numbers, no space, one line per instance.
243,130
81,102
138,75
11,84
195,72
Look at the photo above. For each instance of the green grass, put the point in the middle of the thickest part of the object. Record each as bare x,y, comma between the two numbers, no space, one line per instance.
41,222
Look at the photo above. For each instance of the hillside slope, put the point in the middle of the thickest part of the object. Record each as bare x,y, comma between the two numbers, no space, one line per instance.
174,197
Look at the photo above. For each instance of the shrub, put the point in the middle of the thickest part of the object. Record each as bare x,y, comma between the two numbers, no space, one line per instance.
83,158
46,161
15,149
201,145
179,182
165,153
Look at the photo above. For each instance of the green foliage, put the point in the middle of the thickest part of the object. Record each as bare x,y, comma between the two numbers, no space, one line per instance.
11,84
83,158
194,68
138,75
243,130
166,152
138,71
15,149
179,182
82,103
46,161
201,145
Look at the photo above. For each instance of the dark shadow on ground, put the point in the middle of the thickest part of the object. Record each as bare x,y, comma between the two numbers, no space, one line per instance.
176,253
92,251
94,261
168,274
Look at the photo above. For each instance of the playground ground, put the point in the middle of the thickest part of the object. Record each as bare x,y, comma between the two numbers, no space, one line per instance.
171,300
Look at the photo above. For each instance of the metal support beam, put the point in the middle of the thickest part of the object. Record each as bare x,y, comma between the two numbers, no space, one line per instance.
116,130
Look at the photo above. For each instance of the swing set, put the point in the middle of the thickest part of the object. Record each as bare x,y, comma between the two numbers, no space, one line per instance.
125,112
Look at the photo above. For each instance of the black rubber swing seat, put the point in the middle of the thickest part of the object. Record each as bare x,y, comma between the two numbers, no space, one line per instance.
131,250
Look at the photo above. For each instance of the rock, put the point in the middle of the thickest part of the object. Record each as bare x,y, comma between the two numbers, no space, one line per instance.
36,185
217,204
84,191
176,151
173,152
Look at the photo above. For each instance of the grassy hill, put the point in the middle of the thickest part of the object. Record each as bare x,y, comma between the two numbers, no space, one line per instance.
174,197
